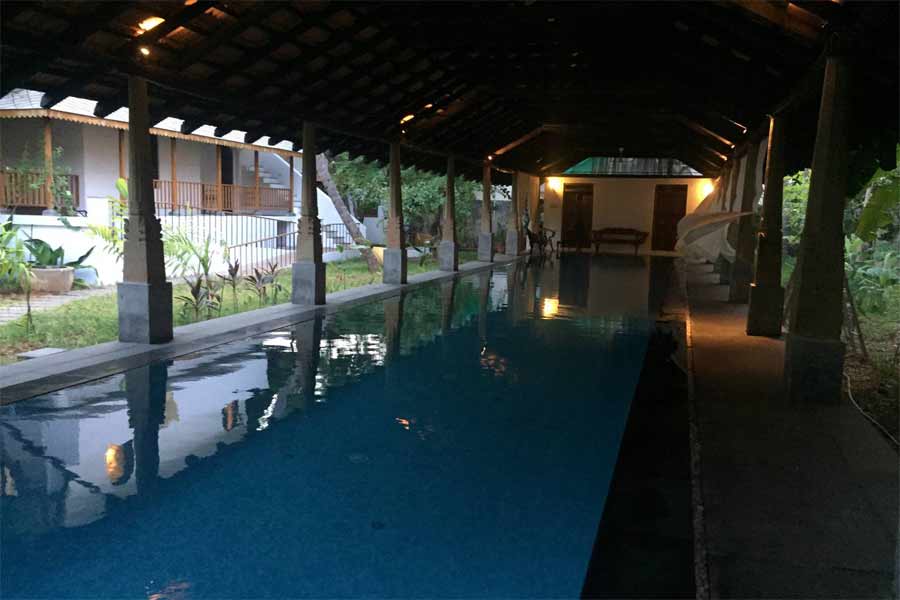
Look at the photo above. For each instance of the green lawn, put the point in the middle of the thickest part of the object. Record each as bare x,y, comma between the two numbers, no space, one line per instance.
94,320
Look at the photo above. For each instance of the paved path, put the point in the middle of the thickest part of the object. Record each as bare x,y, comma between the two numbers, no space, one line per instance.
17,308
800,501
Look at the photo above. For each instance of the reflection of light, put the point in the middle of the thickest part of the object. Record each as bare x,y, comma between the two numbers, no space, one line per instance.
149,23
707,189
403,422
550,307
555,184
115,462
9,484
267,414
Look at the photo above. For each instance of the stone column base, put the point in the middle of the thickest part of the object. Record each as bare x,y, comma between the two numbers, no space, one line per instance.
739,285
485,247
394,266
308,282
813,369
723,267
145,312
512,242
766,311
448,256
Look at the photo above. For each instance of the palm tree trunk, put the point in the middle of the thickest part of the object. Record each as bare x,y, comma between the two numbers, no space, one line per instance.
324,175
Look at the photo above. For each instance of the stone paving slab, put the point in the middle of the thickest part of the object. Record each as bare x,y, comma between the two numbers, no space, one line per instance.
39,302
798,500
38,376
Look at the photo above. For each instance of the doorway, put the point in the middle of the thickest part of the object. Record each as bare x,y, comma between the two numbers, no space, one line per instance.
668,209
227,165
578,215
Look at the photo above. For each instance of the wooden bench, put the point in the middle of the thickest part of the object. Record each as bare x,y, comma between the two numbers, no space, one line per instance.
618,235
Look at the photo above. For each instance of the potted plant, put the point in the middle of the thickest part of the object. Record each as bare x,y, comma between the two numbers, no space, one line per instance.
51,273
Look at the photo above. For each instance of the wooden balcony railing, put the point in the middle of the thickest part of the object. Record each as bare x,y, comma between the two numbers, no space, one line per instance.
28,189
172,195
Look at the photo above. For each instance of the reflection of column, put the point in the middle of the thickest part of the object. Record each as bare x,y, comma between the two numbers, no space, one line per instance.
448,289
512,291
146,389
393,319
300,388
484,292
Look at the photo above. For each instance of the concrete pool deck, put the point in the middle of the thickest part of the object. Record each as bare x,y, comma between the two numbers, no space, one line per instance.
798,501
37,376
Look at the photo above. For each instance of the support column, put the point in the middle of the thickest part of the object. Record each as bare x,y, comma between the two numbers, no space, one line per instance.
514,221
48,165
765,313
485,239
122,173
220,201
724,266
395,253
256,176
291,180
742,268
814,353
173,168
144,297
448,252
308,270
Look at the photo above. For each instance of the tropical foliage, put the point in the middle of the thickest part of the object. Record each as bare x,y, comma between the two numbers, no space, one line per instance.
424,194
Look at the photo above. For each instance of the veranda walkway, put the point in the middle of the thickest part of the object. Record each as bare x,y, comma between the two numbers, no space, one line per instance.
800,501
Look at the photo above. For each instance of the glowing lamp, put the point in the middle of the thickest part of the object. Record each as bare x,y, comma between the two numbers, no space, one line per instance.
707,189
407,119
555,184
550,307
145,50
149,23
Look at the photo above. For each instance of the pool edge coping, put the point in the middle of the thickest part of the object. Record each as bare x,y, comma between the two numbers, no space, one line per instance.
34,377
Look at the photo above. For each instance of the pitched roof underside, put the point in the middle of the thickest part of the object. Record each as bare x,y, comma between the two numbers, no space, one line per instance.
544,83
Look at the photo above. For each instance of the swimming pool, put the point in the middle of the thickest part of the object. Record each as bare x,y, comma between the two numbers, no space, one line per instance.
458,440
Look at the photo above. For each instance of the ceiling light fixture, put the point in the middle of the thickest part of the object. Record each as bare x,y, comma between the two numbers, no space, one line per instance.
407,119
145,50
149,23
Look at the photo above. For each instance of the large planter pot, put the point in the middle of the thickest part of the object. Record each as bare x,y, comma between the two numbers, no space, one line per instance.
52,281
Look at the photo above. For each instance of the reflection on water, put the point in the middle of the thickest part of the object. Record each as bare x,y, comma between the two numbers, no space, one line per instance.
456,367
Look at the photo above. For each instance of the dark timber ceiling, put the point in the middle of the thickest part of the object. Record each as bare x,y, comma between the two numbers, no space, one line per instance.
551,82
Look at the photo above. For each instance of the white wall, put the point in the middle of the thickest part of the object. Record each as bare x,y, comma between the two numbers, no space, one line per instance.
101,167
193,161
620,202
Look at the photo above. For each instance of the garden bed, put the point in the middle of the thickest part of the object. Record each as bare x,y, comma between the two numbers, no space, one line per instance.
95,320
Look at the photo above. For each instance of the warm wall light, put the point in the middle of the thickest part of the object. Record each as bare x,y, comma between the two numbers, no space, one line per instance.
145,50
555,184
407,119
149,23
707,189
429,105
550,307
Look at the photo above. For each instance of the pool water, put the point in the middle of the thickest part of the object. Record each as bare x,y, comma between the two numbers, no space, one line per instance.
456,441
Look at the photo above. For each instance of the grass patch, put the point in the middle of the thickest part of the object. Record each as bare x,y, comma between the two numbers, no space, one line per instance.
94,320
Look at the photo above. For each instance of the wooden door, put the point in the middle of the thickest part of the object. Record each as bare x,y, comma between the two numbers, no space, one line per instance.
668,209
578,215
